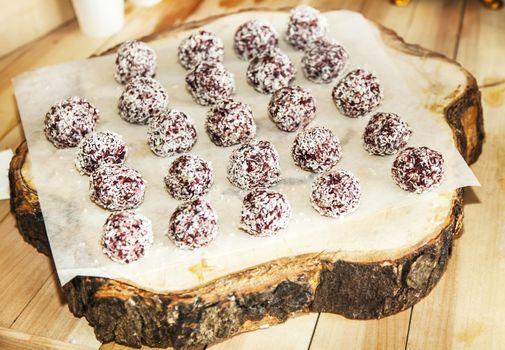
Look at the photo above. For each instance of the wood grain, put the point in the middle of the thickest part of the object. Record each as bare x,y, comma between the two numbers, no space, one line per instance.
30,19
294,334
481,47
336,332
372,289
49,302
24,271
15,340
466,310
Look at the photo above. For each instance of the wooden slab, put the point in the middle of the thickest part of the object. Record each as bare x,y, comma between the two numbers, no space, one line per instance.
314,284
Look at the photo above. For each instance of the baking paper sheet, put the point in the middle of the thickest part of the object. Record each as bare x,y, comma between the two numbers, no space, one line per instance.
5,159
74,223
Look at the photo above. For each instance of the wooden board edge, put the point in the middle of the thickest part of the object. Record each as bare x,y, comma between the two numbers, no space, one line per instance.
221,309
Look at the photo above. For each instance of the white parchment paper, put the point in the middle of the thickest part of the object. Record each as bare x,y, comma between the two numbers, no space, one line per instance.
74,223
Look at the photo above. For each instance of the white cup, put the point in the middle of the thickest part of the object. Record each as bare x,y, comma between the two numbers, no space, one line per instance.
99,18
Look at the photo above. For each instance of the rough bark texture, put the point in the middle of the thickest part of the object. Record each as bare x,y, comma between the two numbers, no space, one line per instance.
25,204
310,283
379,289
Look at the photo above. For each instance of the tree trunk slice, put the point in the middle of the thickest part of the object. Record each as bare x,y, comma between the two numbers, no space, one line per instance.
272,292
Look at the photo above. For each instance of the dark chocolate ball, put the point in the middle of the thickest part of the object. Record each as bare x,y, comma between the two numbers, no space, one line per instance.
336,194
418,169
170,133
116,187
316,149
193,225
189,177
202,46
254,164
385,133
100,148
134,59
67,122
126,236
141,100
210,82
254,37
270,71
306,25
324,61
292,108
265,213
358,93
230,122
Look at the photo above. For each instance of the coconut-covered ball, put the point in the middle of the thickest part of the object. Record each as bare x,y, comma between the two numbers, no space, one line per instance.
189,177
142,99
202,46
358,93
306,25
116,187
254,164
316,149
193,225
210,82
418,169
270,71
336,194
170,133
324,61
134,59
230,122
100,148
292,108
67,122
254,37
264,213
126,236
385,133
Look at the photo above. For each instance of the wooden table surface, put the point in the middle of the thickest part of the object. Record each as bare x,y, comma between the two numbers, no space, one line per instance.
467,308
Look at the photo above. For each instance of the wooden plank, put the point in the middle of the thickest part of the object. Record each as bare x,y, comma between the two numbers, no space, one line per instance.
294,334
466,309
4,209
393,17
15,340
30,19
63,326
336,332
435,25
24,271
431,24
13,138
115,346
482,48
